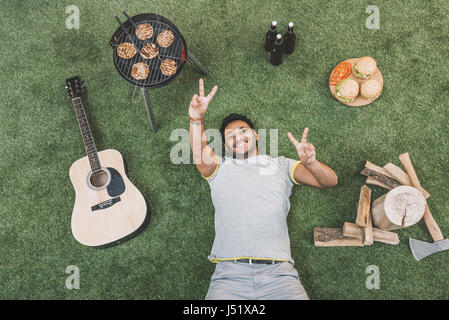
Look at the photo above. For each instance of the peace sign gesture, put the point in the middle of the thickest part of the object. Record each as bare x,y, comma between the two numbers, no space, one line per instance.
306,151
199,103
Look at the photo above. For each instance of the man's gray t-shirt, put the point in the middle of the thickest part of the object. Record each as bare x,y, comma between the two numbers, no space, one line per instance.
251,201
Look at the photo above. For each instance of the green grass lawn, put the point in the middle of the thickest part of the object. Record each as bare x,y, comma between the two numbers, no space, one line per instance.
40,140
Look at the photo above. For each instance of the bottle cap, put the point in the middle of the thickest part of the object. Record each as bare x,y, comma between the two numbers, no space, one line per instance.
274,23
290,24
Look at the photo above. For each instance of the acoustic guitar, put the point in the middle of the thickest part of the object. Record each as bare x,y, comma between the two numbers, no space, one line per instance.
108,207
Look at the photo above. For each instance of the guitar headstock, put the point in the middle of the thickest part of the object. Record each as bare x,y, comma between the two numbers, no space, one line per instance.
74,87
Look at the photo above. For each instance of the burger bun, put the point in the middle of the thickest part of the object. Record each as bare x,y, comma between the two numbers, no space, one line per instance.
348,89
365,67
370,89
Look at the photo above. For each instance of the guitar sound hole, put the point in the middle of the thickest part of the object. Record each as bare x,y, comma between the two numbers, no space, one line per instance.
99,179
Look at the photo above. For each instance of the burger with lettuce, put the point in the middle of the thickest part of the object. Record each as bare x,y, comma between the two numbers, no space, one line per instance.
364,68
347,90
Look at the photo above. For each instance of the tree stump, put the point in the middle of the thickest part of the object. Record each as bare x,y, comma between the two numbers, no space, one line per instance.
401,207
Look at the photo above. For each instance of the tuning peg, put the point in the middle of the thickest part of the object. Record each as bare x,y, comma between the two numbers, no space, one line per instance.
67,90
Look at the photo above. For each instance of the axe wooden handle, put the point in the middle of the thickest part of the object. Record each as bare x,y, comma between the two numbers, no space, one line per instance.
431,224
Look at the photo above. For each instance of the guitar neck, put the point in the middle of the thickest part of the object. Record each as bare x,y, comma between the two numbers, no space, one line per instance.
89,143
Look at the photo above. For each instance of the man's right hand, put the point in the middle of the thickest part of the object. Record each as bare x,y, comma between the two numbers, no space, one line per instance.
199,103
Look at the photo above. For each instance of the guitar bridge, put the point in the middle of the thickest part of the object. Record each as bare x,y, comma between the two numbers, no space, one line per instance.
105,204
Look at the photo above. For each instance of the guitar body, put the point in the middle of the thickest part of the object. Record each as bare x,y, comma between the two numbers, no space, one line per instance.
108,209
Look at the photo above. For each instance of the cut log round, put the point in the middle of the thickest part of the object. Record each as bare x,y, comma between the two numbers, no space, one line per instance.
399,208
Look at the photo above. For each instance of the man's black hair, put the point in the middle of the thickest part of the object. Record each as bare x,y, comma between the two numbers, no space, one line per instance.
233,117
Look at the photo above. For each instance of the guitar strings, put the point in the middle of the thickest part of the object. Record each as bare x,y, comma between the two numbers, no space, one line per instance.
96,177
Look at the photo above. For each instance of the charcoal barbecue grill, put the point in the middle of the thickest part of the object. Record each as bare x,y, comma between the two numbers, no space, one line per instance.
177,52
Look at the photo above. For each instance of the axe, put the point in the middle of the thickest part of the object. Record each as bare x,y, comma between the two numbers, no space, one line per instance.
421,249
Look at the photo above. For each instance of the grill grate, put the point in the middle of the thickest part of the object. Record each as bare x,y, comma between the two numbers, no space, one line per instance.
176,51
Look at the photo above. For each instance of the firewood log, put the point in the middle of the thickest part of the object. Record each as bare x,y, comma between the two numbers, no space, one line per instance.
352,230
333,237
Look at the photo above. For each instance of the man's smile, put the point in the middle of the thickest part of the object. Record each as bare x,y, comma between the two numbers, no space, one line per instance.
240,143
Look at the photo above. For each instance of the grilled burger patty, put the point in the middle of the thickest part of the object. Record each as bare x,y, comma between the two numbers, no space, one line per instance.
165,38
149,51
126,50
140,71
144,31
168,67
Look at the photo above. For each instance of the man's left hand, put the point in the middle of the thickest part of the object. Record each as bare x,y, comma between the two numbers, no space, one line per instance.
306,151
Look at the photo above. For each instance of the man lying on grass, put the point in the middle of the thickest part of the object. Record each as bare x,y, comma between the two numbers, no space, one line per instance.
250,194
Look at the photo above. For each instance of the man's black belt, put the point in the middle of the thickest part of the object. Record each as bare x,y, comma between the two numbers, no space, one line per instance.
257,261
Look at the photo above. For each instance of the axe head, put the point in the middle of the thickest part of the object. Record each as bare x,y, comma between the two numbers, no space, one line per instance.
421,249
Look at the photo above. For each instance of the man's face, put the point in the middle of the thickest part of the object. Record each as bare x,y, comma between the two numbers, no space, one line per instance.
240,139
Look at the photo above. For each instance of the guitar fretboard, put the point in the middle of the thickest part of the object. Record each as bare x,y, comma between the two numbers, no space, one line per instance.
89,143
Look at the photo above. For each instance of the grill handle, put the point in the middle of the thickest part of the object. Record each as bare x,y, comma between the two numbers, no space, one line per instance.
123,28
126,32
129,18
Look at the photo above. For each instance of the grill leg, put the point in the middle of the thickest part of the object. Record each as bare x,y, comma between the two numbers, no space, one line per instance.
198,64
149,110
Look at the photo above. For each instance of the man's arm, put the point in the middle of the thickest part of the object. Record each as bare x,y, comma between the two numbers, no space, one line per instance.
317,175
203,155
311,171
